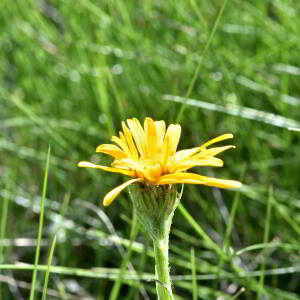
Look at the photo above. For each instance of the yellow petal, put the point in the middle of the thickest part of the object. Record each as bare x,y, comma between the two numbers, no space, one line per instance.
173,132
199,179
165,154
111,150
175,178
129,163
153,172
119,165
188,153
178,181
138,135
129,140
150,172
160,135
122,137
150,131
217,139
122,144
184,154
86,164
211,152
205,162
223,183
110,197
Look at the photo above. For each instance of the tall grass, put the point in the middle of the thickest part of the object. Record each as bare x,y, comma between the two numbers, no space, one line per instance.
70,71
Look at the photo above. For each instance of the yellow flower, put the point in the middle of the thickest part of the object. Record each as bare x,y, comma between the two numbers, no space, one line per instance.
149,155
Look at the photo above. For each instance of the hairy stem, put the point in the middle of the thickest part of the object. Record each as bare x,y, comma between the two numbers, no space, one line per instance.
163,285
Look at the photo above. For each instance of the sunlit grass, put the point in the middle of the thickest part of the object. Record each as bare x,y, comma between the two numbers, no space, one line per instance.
69,72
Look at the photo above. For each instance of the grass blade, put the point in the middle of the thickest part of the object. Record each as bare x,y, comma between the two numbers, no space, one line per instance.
192,83
48,269
118,283
37,252
194,279
266,238
3,225
238,111
201,232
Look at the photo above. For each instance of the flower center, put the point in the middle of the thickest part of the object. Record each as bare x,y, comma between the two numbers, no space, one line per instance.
154,168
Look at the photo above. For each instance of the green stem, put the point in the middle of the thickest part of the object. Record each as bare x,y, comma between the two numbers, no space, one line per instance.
163,285
155,206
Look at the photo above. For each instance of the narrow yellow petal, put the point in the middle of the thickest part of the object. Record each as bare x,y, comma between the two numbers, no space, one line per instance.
217,139
86,164
188,153
165,154
130,141
205,162
122,137
110,197
129,163
138,135
224,184
153,172
211,152
220,183
173,132
178,181
122,144
160,135
111,150
182,175
176,178
119,165
142,170
191,177
184,154
150,131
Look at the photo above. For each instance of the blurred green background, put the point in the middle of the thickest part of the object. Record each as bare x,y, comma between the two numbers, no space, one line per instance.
71,71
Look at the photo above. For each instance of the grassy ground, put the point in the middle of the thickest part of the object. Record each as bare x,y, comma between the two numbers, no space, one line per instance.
70,71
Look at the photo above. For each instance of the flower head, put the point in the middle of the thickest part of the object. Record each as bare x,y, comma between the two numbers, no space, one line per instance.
149,155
